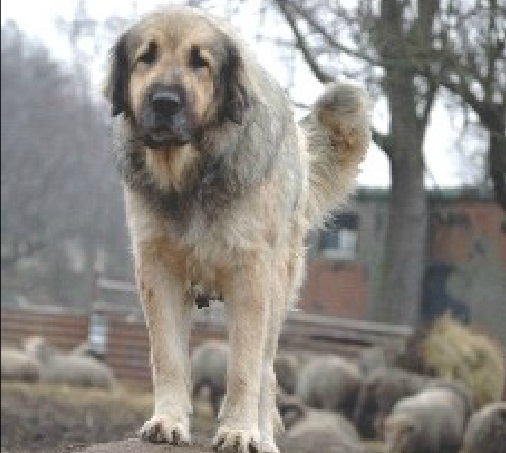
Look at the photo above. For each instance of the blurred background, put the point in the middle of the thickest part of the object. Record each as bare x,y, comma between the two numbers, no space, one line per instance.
423,234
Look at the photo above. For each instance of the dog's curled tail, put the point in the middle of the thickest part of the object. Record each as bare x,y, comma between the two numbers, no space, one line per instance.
336,134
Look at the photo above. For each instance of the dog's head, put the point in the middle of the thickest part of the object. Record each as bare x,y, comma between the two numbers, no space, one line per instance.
176,73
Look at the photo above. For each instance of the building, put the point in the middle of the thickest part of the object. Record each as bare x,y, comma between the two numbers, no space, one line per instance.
466,262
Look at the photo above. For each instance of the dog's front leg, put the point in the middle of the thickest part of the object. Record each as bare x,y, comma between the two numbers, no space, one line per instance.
246,294
269,418
167,317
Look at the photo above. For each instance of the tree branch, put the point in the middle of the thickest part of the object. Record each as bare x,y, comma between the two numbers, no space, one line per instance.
384,141
302,44
429,102
329,38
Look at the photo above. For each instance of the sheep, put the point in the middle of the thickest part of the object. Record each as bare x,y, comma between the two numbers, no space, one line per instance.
57,367
486,430
329,382
374,357
17,365
318,431
432,421
209,370
378,394
285,368
290,408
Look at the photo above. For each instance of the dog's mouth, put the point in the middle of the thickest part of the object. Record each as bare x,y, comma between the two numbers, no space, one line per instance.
160,137
165,120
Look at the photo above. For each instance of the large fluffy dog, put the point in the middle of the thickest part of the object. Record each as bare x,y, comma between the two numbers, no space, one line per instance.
221,187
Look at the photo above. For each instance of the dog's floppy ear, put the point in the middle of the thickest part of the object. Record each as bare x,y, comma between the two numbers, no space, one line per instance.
236,97
116,84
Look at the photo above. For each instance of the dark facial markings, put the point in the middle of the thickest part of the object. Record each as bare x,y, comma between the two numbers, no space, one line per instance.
117,83
150,55
196,60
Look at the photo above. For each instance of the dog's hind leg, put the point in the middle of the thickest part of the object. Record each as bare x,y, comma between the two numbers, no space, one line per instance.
246,292
167,316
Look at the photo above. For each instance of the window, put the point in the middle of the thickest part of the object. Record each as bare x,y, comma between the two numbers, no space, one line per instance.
338,242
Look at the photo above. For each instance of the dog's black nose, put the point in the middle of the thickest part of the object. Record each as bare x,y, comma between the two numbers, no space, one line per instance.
169,100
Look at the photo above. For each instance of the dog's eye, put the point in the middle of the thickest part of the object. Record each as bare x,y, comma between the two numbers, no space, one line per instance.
196,60
149,55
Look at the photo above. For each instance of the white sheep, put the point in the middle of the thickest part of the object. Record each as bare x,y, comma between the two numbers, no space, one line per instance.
58,367
17,365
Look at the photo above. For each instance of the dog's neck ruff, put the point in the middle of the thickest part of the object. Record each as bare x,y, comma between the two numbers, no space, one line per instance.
211,189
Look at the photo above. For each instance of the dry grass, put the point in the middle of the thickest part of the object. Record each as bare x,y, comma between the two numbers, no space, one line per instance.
454,351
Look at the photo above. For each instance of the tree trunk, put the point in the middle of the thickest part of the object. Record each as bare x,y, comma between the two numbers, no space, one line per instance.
404,256
497,157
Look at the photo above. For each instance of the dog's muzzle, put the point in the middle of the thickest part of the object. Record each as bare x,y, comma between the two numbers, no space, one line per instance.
165,119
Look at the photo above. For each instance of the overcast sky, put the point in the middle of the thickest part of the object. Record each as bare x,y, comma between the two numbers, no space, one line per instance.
37,19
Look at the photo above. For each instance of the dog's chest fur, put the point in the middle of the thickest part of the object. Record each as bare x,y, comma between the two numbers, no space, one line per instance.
202,257
259,223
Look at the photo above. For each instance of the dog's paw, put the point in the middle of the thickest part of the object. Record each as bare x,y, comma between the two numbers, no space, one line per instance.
165,429
228,440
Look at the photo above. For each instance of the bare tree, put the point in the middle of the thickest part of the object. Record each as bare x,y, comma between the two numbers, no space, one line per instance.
57,178
386,47
470,61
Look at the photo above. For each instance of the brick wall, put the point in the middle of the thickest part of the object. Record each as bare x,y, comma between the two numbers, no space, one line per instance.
455,227
337,289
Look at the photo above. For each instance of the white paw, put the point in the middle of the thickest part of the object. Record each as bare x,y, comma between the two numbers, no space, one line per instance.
162,428
228,440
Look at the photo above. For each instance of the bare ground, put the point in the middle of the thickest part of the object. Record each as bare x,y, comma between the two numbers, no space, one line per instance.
49,419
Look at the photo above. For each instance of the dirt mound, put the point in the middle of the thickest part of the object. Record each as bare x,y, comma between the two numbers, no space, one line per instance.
45,418
40,418
137,446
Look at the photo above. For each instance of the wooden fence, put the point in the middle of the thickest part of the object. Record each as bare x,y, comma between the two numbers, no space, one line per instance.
61,328
127,345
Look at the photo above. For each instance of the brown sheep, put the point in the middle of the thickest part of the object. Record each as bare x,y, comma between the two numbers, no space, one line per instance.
378,394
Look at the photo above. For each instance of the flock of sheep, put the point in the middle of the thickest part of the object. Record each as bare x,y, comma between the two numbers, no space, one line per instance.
331,404
452,403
